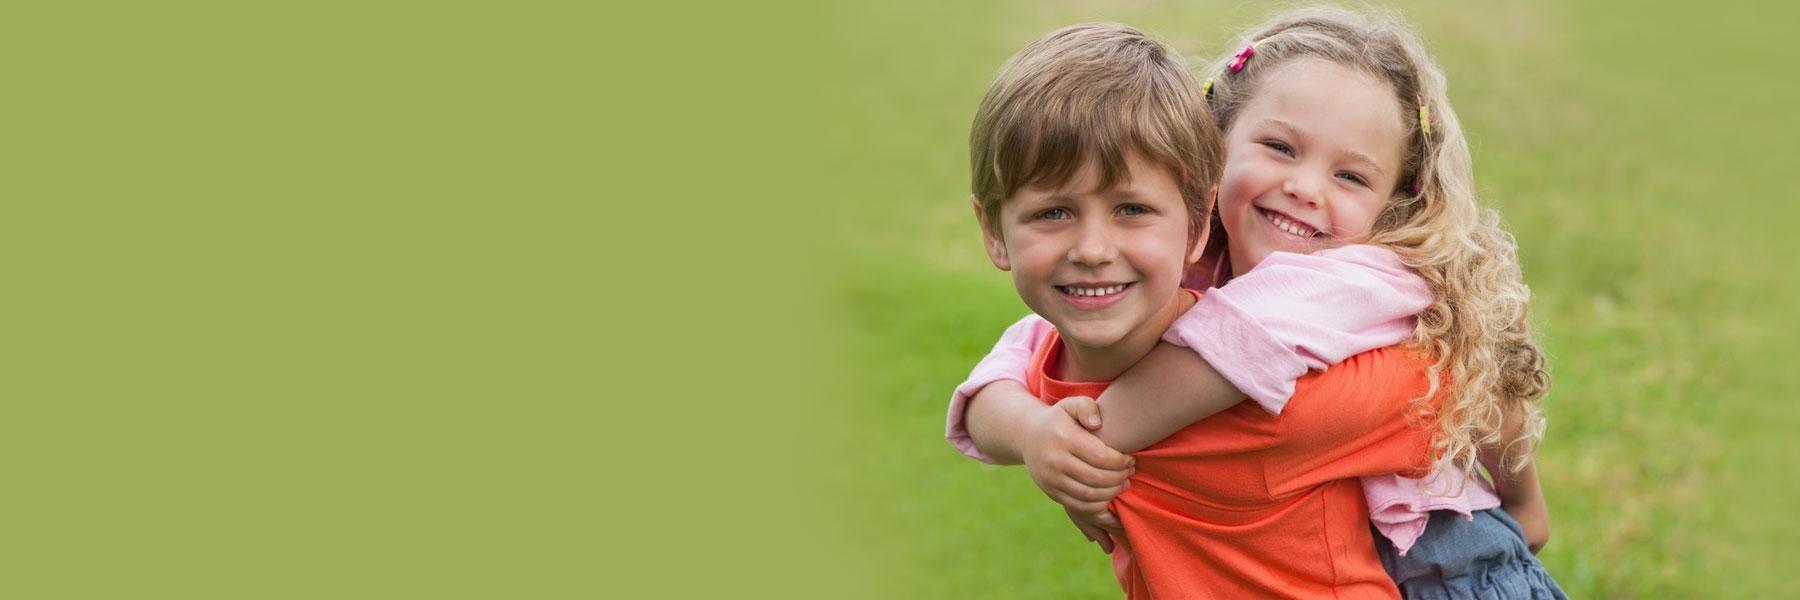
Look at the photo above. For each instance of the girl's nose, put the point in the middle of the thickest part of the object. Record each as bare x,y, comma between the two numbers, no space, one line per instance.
1302,188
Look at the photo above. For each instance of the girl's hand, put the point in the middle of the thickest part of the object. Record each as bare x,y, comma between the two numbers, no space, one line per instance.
1069,463
1097,527
1534,518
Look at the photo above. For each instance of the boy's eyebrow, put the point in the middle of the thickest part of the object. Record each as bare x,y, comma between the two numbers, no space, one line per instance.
1354,155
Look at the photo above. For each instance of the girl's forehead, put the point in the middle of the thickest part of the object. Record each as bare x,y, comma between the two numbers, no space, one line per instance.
1323,99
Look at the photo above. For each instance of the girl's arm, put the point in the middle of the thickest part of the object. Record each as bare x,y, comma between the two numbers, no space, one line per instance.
1253,337
1169,389
1005,364
1521,497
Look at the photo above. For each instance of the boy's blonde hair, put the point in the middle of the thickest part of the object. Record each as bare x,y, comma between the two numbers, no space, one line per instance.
1095,91
1476,326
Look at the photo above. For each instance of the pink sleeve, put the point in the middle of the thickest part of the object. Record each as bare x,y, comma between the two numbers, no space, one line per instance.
1299,312
1009,359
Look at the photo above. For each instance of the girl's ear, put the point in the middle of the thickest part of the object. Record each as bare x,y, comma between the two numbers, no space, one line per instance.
1205,230
996,247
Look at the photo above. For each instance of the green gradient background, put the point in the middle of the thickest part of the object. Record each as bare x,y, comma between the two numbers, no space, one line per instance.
536,300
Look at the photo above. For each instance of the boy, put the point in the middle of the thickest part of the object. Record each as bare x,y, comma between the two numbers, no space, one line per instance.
1093,161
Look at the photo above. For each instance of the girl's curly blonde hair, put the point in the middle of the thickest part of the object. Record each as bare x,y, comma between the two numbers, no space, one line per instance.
1475,327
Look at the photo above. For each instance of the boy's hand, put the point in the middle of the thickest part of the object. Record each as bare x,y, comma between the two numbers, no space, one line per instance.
1069,463
1097,527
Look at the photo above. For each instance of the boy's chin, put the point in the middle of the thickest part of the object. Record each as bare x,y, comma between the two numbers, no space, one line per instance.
1092,335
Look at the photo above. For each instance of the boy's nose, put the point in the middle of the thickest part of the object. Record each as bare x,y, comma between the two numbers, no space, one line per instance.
1094,247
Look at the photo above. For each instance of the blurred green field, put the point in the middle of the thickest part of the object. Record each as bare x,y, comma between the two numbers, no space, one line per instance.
1643,156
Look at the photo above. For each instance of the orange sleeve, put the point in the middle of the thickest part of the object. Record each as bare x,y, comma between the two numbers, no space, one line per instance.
1352,421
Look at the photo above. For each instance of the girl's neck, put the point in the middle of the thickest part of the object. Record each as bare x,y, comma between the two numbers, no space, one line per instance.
1106,363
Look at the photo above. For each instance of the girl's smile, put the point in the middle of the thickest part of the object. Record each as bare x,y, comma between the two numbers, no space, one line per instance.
1284,223
1309,161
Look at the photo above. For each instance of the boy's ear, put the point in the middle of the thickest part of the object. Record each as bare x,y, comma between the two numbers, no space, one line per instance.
1204,231
996,247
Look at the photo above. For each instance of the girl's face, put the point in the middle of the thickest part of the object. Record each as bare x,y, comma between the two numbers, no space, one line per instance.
1309,161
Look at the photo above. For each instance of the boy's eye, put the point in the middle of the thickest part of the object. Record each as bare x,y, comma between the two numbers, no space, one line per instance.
1054,214
1279,146
1132,210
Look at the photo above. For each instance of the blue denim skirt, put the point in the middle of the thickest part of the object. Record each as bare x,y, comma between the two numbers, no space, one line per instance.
1461,559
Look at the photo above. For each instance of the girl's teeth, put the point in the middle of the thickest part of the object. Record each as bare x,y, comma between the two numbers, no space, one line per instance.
1290,226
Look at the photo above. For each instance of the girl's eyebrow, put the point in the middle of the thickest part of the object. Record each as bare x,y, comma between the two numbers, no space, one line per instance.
1354,155
1364,159
1285,126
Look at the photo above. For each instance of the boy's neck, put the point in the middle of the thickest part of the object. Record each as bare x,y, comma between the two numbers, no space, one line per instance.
1106,363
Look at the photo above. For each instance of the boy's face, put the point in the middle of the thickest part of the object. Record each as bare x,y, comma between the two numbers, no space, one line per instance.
1098,264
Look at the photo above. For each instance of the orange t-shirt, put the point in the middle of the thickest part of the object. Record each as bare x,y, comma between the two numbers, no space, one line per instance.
1246,504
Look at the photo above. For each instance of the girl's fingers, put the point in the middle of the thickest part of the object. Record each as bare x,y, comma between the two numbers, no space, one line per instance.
1083,409
1096,453
1108,521
1087,495
1095,535
1075,503
1088,476
1087,508
1091,531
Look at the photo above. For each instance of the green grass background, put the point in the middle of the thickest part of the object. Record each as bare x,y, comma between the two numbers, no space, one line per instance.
574,300
1642,154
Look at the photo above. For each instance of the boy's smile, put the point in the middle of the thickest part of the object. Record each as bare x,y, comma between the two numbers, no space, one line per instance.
1093,296
1102,265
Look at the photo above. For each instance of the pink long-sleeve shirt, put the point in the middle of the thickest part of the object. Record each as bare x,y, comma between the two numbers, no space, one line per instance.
1291,314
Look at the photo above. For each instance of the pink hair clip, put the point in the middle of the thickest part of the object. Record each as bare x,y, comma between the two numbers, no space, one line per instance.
1243,56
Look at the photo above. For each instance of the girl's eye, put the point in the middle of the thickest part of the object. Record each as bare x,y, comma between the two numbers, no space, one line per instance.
1279,146
1054,214
1353,178
1132,210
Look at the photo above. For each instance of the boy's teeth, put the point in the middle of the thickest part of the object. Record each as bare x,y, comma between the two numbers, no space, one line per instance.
1105,291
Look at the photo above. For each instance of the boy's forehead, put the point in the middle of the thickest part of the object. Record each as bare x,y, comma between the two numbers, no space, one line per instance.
1135,175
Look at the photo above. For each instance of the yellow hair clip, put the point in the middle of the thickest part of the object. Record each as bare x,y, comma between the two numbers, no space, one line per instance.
1424,118
1206,88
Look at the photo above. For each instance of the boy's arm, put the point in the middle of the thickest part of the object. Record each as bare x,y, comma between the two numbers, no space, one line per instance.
1257,334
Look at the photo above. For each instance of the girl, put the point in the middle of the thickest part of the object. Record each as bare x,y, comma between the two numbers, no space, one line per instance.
1316,157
